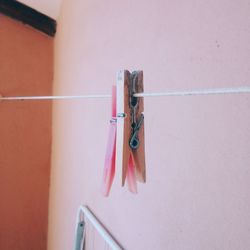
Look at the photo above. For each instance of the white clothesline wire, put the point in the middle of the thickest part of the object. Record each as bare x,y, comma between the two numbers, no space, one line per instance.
21,98
236,90
213,91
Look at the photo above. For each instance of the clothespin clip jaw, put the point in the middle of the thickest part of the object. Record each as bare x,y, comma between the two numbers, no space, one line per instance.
130,125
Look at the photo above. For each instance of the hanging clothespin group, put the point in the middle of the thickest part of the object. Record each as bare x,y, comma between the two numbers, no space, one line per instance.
125,153
130,148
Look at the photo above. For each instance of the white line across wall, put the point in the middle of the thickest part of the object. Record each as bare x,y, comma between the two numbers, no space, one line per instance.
213,91
83,210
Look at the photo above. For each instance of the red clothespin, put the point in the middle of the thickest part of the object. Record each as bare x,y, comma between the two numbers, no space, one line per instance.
130,147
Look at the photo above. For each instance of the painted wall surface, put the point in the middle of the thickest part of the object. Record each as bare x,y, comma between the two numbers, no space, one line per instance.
26,68
197,148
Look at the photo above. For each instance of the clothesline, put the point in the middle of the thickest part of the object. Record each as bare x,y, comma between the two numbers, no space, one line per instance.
213,91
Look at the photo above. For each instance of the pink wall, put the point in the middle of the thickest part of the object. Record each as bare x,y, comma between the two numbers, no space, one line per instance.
197,148
26,63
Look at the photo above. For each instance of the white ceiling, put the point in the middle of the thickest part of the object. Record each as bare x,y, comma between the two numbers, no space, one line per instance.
50,8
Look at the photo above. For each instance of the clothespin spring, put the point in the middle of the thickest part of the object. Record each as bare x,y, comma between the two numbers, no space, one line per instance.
134,141
133,103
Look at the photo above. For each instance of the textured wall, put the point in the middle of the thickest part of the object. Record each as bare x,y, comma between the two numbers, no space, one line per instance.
26,68
197,148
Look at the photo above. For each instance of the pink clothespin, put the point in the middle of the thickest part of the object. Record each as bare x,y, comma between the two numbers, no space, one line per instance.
109,166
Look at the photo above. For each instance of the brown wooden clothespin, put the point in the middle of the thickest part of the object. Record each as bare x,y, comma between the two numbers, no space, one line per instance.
130,125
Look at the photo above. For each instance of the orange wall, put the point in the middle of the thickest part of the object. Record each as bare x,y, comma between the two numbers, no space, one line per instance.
26,68
197,148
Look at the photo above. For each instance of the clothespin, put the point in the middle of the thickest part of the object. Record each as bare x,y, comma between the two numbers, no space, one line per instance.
130,147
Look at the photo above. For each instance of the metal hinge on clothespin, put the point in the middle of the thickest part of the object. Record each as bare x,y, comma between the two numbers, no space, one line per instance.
130,125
